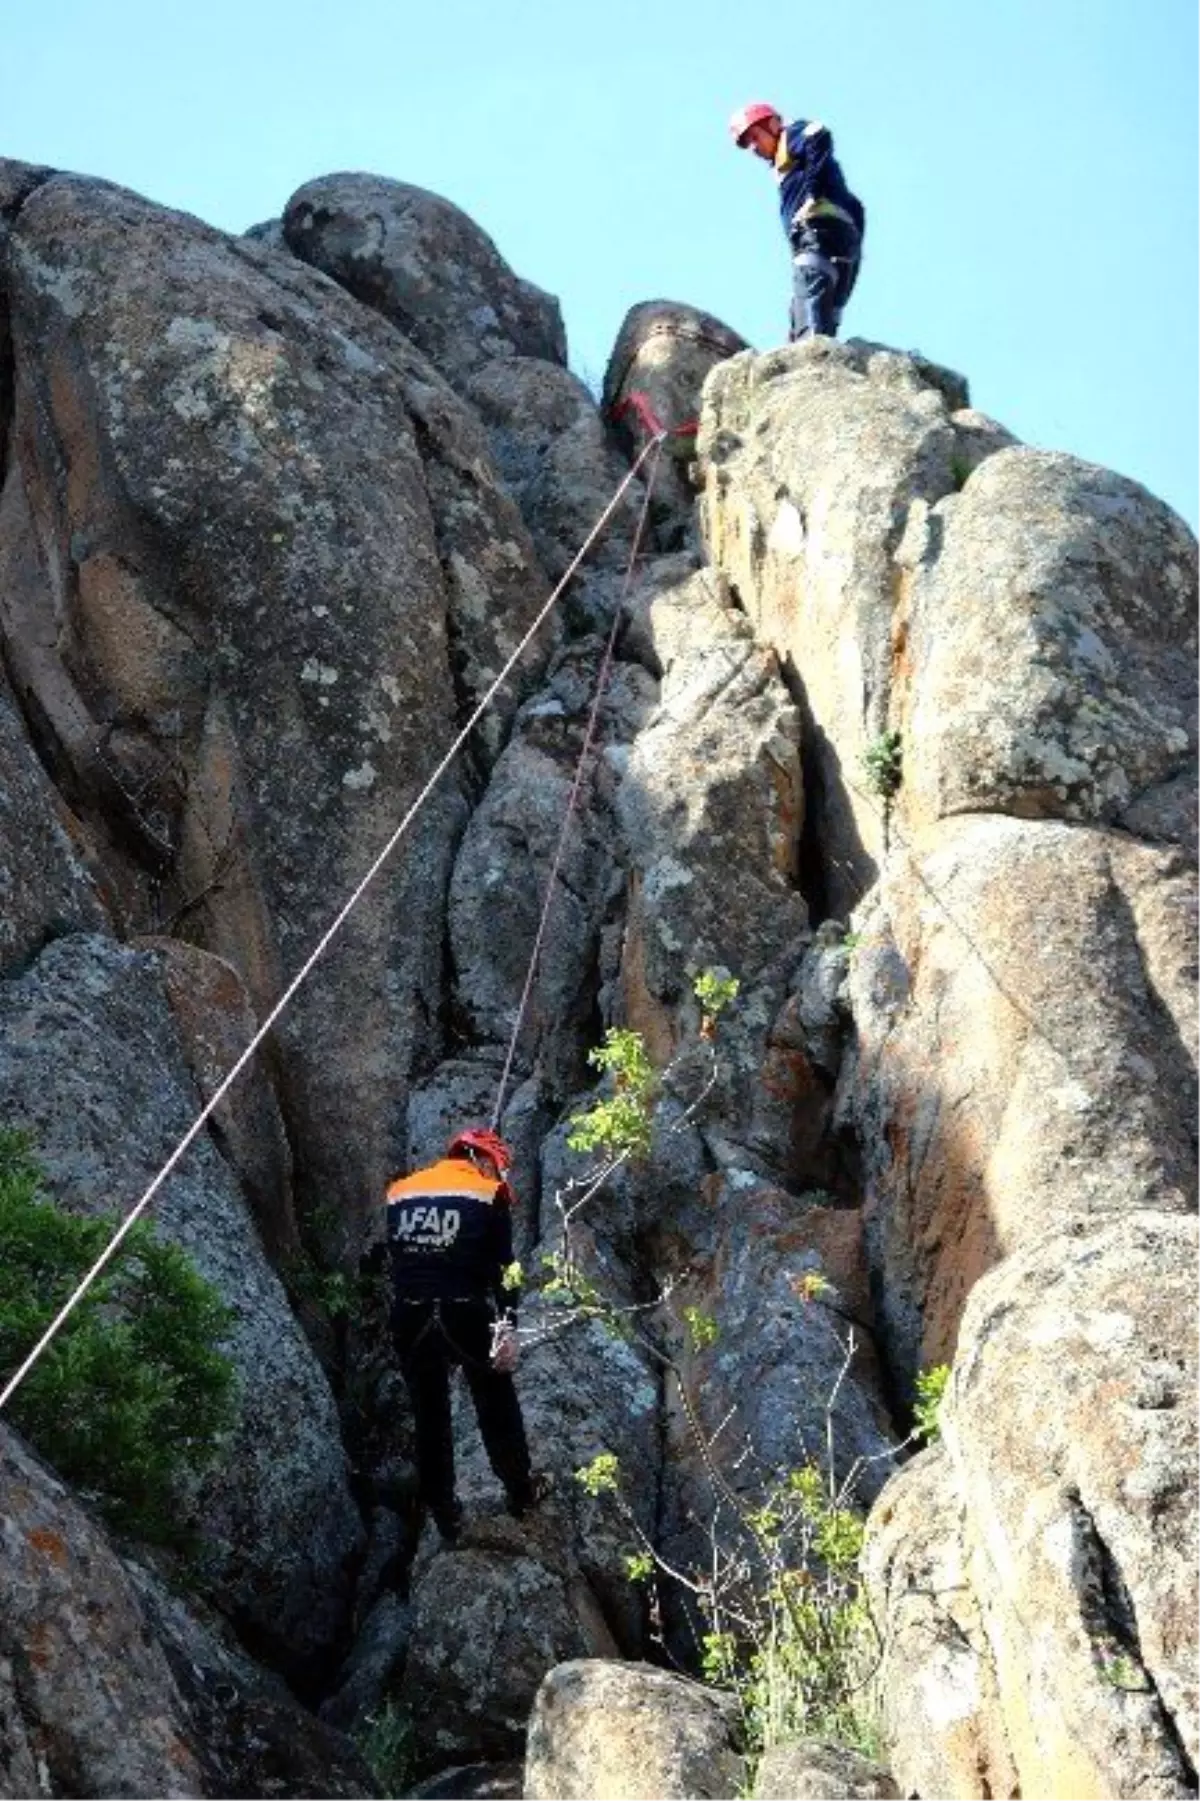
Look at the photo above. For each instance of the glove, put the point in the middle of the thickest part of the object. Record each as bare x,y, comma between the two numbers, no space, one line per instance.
505,1348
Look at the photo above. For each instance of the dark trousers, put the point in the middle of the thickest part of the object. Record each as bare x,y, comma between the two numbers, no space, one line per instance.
431,1337
825,258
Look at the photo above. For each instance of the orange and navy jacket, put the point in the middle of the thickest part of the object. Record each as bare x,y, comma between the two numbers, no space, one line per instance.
449,1234
808,171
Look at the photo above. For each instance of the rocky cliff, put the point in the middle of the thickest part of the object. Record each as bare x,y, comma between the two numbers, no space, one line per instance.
900,732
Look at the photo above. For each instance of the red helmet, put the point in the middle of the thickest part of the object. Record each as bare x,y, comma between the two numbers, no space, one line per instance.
757,112
481,1138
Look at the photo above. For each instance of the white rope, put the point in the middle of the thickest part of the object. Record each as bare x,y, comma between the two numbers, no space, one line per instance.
593,720
322,946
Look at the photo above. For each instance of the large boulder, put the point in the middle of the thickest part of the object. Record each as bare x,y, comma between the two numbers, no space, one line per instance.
811,459
810,1769
1024,1004
489,1619
422,263
1046,651
1068,1492
619,1732
662,356
667,349
243,630
111,1685
498,340
92,1068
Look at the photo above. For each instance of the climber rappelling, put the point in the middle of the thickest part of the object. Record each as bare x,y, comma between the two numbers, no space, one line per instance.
450,1244
823,221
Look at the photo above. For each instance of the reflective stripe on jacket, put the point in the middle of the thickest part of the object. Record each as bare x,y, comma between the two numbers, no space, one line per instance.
807,171
450,1176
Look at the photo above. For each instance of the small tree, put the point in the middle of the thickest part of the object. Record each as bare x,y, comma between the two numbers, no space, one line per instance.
134,1393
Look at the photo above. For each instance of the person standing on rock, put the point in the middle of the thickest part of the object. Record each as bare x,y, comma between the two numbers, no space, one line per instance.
823,220
450,1245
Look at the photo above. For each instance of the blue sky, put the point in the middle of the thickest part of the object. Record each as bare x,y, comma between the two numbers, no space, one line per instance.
1028,166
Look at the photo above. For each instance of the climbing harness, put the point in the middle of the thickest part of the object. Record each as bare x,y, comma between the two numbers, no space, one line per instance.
606,661
324,942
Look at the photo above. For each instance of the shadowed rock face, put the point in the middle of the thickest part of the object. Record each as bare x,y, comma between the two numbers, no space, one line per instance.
215,1021
17,182
44,884
109,1686
90,1065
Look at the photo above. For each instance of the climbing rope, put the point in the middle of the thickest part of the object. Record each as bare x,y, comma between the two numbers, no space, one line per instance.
322,945
606,662
638,403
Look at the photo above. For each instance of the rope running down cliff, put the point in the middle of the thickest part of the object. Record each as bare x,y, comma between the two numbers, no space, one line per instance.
325,941
655,445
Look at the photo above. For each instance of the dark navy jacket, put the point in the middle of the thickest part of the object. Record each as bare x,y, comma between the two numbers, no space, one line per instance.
806,169
449,1233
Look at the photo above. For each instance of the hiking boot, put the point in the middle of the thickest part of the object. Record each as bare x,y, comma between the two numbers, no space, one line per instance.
448,1521
530,1494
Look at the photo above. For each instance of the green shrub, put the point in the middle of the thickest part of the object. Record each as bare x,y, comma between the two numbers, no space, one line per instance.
812,1644
931,1391
786,1621
134,1392
883,764
385,1743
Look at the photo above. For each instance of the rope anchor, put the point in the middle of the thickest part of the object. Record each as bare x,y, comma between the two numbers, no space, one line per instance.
639,404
